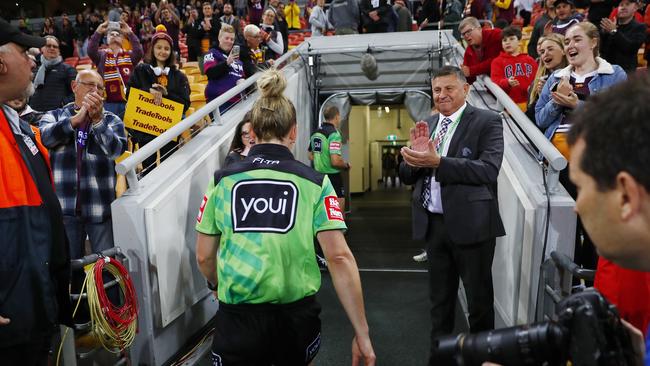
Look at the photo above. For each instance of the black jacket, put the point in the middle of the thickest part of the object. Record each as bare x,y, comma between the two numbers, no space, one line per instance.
621,48
178,88
198,32
57,89
468,180
384,11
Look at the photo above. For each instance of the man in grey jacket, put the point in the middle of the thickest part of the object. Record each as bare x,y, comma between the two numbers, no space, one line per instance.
344,16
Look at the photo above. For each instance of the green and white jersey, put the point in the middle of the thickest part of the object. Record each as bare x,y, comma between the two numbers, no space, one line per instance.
267,210
325,141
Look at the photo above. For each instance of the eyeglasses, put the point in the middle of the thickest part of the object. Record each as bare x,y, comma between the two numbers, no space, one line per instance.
51,46
466,33
92,85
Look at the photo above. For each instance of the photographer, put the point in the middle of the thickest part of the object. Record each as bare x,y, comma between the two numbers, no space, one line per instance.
609,155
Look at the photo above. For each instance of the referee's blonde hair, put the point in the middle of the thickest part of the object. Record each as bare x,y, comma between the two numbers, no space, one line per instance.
273,115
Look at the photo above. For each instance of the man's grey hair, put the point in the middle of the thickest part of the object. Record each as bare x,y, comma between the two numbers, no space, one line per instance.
251,30
52,38
88,71
471,21
450,70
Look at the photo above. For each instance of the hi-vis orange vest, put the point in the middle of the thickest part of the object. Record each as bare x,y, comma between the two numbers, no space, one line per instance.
17,187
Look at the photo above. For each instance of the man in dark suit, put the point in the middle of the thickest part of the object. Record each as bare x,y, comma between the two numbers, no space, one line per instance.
454,169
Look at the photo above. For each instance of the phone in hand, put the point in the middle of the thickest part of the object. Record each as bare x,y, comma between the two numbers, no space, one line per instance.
235,51
113,25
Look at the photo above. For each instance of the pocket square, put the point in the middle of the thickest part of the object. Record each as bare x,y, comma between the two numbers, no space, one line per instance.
466,152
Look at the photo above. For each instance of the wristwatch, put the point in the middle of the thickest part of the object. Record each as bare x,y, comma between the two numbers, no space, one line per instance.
613,32
211,286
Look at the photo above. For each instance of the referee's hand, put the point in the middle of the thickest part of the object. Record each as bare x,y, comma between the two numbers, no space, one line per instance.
362,348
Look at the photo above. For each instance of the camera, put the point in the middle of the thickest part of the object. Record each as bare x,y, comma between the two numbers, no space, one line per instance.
586,330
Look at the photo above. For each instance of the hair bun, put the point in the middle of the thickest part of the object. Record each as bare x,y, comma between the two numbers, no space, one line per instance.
272,83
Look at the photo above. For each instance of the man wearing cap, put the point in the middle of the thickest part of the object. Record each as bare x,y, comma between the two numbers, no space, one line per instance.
566,16
34,259
622,39
115,64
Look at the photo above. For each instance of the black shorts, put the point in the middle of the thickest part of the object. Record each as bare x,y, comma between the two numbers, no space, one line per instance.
267,334
337,183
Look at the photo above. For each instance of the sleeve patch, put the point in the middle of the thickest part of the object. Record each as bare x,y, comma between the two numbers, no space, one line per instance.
335,145
333,209
201,209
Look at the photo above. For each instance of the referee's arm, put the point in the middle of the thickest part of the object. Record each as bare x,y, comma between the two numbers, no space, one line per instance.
345,276
206,255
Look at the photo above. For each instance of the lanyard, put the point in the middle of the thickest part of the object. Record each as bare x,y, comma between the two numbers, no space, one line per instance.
450,131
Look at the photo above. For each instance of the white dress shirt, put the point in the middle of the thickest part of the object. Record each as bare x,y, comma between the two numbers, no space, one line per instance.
435,204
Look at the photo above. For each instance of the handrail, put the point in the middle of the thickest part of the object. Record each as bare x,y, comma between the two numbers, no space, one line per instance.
556,161
128,165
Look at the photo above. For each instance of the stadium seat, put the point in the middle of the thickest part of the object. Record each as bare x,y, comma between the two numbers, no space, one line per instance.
197,88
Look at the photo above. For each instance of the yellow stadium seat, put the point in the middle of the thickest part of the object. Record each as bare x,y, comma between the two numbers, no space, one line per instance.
197,88
192,71
190,78
200,78
191,64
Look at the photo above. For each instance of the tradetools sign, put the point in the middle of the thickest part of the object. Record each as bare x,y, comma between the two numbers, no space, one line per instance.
143,115
264,206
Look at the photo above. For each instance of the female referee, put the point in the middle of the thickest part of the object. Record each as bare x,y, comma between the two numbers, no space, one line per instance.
261,214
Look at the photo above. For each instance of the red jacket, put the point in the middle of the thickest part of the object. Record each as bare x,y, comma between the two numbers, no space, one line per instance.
479,62
522,67
627,289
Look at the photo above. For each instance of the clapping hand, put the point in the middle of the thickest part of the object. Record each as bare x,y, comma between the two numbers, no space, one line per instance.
513,82
94,104
422,153
564,94
4,321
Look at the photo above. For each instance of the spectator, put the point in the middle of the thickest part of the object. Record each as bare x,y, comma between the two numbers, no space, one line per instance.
159,76
25,112
505,11
483,45
292,14
513,71
66,37
525,9
81,35
538,29
283,27
53,79
251,54
230,19
477,9
375,15
167,17
241,7
93,24
23,26
217,6
34,258
622,39
146,33
599,9
255,11
223,68
552,58
241,141
451,16
84,139
272,5
566,16
564,90
271,38
318,19
49,28
429,13
344,15
115,64
308,8
405,20
192,39
207,29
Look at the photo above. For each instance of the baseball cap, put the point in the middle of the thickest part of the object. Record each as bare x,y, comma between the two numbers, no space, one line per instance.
10,33
570,2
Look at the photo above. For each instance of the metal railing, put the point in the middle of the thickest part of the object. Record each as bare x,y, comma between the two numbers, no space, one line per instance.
556,161
127,166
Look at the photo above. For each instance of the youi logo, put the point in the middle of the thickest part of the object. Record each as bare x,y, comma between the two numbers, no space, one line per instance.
264,206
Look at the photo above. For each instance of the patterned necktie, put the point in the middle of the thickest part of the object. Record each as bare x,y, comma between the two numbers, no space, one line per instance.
426,189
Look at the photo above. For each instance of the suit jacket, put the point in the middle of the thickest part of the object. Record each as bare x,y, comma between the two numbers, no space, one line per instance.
468,180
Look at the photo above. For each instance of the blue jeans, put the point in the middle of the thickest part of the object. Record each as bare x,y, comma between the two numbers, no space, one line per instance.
100,235
117,108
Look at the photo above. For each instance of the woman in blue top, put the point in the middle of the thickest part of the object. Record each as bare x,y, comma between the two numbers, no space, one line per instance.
223,68
566,88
